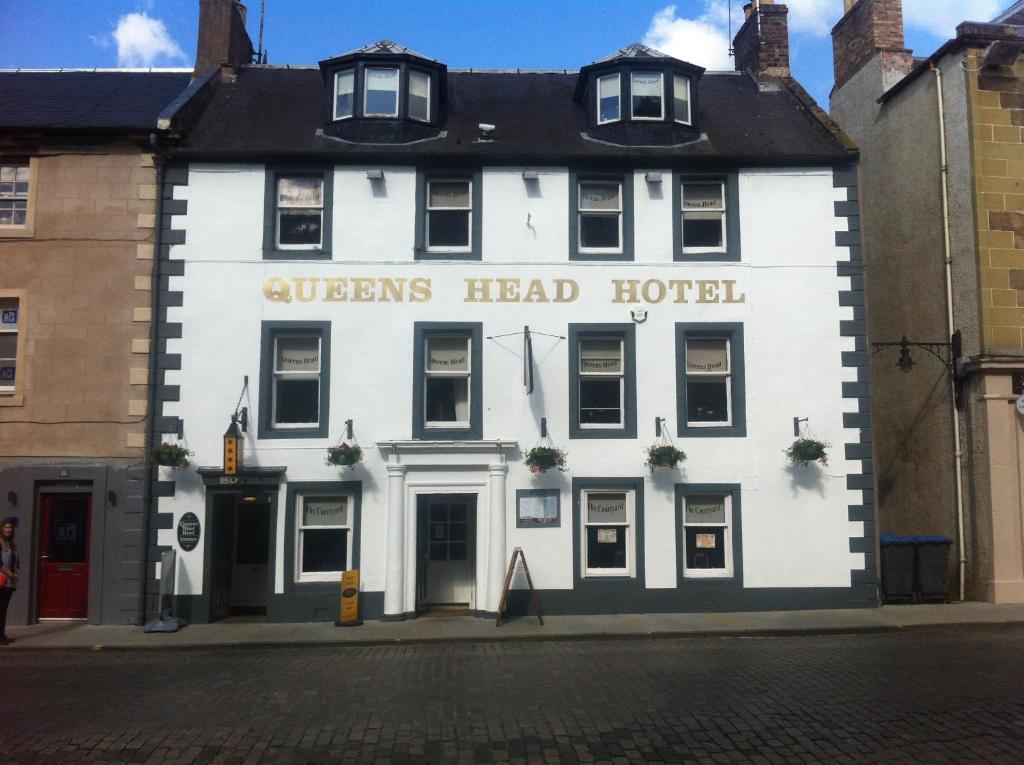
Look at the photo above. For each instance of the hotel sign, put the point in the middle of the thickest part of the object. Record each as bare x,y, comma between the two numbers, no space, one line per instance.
310,289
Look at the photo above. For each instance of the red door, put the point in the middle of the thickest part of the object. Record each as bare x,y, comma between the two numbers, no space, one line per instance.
64,556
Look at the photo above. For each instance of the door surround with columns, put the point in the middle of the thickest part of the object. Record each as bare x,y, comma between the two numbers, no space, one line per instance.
445,467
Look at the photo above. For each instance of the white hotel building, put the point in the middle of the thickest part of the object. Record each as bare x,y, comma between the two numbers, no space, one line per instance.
366,241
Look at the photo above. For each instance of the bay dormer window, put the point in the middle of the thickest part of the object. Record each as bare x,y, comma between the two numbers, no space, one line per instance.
681,99
419,96
381,91
648,98
344,94
609,99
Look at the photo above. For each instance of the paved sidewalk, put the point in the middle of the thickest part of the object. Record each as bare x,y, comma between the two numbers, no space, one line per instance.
66,635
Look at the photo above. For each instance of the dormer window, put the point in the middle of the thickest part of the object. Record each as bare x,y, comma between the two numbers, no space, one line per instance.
381,88
647,96
419,95
681,98
344,94
608,99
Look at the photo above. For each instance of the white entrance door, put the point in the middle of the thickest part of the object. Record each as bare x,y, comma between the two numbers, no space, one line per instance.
447,538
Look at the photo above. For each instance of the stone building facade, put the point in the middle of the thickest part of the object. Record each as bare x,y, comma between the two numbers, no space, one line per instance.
78,199
942,181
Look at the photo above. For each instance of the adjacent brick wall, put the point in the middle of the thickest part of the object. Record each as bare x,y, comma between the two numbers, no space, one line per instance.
996,98
870,26
768,55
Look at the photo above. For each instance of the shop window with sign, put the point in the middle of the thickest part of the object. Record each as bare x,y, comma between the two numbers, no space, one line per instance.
448,217
601,217
449,212
703,217
295,379
603,380
607,537
710,380
323,537
707,543
10,336
381,92
297,221
446,389
448,381
648,96
708,534
707,219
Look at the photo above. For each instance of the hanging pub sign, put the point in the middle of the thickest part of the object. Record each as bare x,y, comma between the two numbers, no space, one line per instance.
232,448
188,532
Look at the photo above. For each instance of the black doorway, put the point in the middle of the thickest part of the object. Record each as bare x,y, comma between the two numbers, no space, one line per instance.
240,559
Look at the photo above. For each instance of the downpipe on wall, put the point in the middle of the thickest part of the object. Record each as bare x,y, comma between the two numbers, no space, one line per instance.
149,498
958,453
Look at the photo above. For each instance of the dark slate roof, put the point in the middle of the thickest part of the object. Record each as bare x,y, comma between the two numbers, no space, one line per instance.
276,112
86,100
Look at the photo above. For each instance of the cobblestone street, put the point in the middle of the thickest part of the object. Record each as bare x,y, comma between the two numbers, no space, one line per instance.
950,695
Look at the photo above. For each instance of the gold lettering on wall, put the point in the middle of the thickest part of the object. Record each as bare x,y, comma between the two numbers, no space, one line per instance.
368,289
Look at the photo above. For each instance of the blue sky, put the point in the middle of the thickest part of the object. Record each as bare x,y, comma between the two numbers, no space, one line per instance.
463,33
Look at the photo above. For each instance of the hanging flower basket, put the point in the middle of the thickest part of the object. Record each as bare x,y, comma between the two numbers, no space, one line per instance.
807,450
664,456
541,459
345,455
170,455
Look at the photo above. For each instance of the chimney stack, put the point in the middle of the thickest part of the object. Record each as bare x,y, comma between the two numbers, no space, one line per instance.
762,43
223,40
870,28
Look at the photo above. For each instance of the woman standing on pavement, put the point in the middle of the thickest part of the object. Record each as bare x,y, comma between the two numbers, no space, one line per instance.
10,571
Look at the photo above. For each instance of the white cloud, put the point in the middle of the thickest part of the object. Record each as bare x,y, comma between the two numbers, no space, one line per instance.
940,17
142,41
816,17
703,41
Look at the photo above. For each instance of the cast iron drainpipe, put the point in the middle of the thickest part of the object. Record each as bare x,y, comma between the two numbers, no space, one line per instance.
149,500
944,174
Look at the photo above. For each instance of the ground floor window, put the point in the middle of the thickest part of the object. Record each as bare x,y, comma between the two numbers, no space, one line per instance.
607,533
324,536
706,525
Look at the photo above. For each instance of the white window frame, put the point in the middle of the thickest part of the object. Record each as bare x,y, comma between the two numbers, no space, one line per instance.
412,73
630,530
726,377
322,576
710,573
278,207
337,78
278,375
661,81
428,208
581,376
689,105
428,373
682,217
618,97
14,196
580,212
8,391
398,90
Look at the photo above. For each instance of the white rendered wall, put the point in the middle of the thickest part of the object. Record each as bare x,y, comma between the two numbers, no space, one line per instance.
795,527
